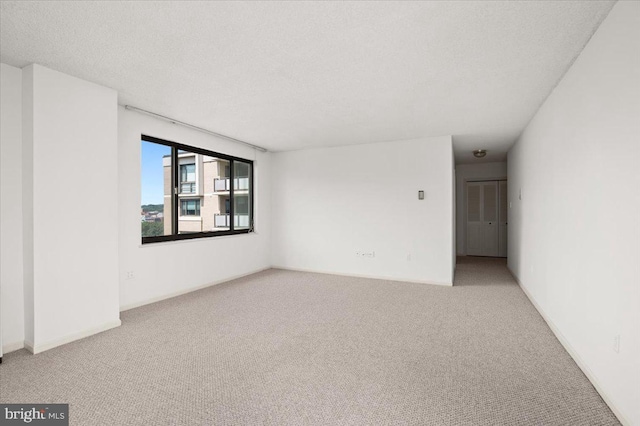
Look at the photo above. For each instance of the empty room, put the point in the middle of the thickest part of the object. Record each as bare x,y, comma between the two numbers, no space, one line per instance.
320,213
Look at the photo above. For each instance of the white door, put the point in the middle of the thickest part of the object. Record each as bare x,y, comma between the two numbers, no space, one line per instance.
474,219
483,218
490,218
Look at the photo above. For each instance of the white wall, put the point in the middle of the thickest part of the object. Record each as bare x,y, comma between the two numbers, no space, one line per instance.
330,203
162,270
73,216
11,289
574,240
70,145
27,203
469,172
453,212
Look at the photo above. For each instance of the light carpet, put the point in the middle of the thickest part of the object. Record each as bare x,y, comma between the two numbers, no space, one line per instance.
294,348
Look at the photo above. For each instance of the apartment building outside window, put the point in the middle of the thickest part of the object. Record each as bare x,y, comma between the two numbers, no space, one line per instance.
207,194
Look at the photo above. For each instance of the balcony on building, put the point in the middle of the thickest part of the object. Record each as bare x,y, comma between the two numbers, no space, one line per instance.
224,220
188,188
223,185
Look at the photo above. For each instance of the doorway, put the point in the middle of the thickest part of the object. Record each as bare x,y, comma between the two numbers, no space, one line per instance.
487,218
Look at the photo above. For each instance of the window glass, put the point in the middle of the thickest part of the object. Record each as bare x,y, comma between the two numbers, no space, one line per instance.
155,203
241,205
190,207
189,219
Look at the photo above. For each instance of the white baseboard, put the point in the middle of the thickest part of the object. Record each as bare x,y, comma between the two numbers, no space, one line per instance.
37,348
574,354
12,347
185,291
373,277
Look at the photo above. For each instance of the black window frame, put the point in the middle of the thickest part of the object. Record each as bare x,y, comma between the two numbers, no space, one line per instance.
175,181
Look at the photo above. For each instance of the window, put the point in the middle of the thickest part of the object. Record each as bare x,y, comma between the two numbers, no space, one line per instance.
189,192
188,173
190,207
187,178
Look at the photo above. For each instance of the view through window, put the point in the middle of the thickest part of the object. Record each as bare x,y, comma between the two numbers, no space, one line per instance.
207,194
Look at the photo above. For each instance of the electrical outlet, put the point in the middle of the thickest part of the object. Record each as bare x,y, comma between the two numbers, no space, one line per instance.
616,343
130,275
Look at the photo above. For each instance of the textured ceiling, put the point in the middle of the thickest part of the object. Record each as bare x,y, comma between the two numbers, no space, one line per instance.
292,75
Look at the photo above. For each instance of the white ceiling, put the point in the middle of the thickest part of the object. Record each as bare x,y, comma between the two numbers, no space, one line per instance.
292,75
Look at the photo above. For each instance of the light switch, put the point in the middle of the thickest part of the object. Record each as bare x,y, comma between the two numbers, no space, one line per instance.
420,195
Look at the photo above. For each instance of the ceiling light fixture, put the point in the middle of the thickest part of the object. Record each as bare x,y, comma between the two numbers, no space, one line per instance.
479,153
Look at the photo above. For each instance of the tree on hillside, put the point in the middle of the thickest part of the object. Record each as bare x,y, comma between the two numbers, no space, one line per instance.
152,229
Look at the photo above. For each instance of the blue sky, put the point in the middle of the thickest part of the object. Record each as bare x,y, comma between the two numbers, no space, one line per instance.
152,175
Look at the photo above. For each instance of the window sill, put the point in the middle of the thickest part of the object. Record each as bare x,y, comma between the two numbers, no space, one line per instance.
196,237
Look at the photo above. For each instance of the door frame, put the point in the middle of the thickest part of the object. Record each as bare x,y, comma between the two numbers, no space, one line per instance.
464,201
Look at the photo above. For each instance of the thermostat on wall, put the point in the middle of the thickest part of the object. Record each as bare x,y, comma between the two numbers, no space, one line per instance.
420,195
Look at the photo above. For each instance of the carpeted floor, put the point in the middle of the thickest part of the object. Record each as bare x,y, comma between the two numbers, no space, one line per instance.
293,348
